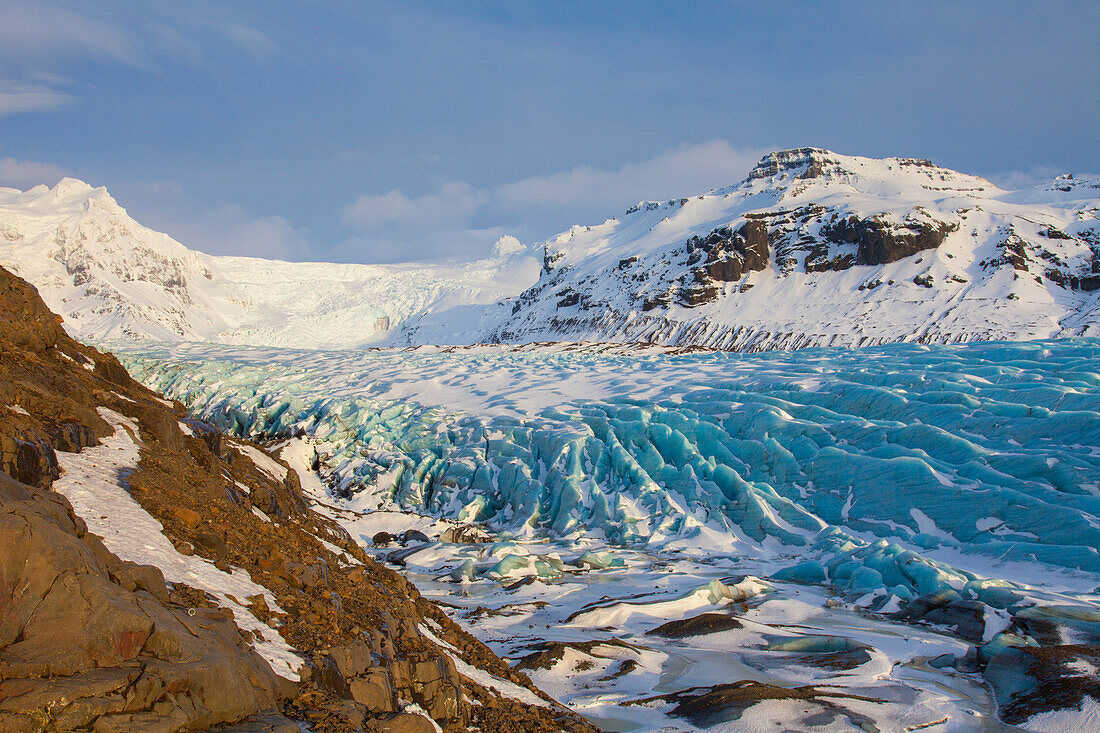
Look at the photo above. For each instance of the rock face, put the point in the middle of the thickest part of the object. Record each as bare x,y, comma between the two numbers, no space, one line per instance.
92,640
88,639
878,243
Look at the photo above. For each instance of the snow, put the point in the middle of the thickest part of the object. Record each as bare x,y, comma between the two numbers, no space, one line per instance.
483,678
94,483
263,461
112,278
1085,718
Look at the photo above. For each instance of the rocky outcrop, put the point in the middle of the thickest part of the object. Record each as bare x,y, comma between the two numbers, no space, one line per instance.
91,641
879,242
24,319
87,639
728,254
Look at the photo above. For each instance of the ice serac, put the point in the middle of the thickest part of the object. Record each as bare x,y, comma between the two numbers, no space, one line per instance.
819,249
986,449
110,277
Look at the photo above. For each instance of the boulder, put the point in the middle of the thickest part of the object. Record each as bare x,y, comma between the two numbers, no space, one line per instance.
89,638
189,518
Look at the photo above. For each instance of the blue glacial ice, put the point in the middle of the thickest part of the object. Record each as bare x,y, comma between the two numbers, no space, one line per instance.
862,463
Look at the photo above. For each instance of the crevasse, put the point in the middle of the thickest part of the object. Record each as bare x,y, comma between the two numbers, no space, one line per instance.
989,448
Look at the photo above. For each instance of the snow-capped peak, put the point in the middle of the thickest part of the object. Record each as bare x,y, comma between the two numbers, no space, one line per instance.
811,248
111,278
810,245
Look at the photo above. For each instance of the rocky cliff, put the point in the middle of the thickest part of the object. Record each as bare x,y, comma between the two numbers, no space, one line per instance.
156,575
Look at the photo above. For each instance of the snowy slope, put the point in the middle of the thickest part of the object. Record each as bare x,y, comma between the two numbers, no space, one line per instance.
815,248
111,278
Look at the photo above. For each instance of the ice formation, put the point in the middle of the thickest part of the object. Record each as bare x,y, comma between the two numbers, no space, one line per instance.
805,497
988,448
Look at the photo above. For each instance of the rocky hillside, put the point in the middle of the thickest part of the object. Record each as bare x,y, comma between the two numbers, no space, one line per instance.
156,575
816,249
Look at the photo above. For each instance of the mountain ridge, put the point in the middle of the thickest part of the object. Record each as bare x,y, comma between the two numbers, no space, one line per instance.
159,575
812,248
803,231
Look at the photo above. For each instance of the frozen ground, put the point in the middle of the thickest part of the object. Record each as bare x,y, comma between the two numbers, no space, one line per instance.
864,529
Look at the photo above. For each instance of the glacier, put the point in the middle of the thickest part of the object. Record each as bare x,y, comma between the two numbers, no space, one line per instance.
987,447
818,498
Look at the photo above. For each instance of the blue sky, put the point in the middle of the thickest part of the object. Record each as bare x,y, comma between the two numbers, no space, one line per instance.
361,131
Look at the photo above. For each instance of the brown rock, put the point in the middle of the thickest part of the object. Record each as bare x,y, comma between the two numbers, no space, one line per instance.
403,723
351,659
212,544
373,692
132,577
96,649
188,517
24,318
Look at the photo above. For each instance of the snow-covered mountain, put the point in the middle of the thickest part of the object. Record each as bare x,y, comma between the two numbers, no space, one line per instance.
812,248
815,248
112,278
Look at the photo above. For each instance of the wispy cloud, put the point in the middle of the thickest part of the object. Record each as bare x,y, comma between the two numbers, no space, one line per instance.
252,40
35,31
453,204
24,174
460,219
17,97
40,41
1015,180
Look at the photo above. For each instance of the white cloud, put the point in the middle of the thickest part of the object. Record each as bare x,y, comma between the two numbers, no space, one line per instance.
453,204
690,169
461,220
24,174
17,97
1016,180
231,229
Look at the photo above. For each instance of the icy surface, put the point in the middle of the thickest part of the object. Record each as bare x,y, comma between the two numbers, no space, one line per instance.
988,449
807,494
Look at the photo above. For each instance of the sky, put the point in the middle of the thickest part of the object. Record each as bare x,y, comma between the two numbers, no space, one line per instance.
379,132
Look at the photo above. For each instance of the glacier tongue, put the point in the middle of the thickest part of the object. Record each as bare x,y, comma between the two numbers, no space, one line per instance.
839,533
988,448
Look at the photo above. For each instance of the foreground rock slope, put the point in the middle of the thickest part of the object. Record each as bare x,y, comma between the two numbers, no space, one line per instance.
156,575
